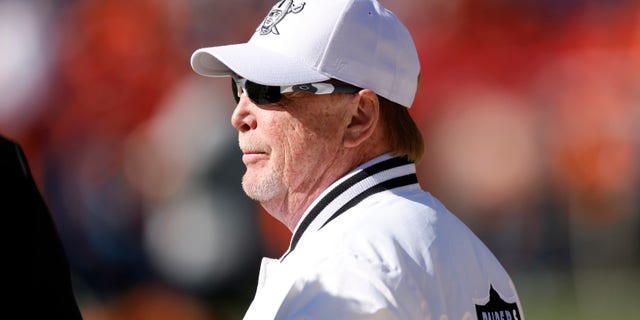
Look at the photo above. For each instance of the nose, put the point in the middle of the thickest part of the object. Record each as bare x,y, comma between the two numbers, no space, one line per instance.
243,119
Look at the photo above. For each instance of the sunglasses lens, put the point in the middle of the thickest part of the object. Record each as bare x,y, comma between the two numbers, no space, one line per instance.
234,89
262,94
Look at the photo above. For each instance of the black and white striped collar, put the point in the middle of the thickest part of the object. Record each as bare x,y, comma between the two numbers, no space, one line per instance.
382,173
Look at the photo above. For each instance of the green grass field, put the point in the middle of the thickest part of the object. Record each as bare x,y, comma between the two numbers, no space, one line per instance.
610,294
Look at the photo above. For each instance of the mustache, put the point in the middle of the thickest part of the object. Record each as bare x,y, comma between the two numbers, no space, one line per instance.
252,146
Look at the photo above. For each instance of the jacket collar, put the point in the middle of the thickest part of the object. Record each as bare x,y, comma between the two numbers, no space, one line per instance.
382,173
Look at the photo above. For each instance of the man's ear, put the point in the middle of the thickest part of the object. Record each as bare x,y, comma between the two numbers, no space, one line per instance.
364,118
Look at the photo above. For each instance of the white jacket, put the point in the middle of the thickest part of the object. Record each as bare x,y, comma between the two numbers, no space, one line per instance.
374,245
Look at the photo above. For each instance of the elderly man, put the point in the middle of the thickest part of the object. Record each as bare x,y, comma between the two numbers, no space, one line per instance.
323,89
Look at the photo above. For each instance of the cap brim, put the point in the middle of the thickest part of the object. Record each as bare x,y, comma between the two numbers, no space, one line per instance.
254,63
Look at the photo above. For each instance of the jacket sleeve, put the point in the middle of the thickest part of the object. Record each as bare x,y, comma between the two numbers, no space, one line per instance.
40,284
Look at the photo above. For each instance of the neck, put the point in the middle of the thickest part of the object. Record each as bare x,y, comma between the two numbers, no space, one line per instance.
290,207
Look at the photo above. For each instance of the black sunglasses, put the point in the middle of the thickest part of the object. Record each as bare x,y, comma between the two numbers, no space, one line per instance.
263,94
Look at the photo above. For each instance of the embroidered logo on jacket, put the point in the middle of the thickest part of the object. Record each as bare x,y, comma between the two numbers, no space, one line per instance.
277,13
497,309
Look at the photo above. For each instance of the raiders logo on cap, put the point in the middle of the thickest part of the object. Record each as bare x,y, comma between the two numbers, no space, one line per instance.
497,309
277,13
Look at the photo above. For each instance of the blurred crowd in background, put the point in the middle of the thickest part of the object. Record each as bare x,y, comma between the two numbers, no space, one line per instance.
530,110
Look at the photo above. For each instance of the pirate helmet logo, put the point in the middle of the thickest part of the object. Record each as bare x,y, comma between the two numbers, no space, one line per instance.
497,309
277,13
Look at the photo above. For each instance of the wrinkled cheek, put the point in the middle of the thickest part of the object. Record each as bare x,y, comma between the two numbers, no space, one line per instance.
299,159
306,150
294,160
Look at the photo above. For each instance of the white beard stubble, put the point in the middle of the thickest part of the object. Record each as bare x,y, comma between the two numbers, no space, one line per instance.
263,188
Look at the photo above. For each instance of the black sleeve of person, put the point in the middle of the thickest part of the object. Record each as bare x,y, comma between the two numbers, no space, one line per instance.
38,275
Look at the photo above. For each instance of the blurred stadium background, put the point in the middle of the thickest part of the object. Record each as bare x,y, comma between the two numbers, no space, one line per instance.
530,111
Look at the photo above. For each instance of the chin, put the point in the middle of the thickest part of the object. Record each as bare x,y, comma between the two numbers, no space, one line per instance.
261,187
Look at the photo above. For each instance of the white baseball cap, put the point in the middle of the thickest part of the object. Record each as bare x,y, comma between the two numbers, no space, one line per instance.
303,41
